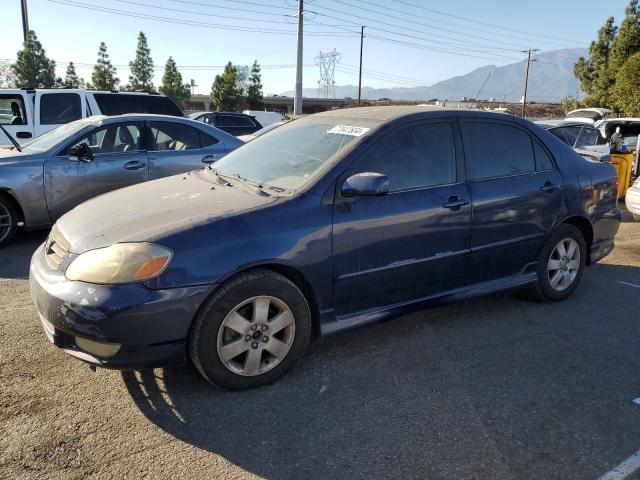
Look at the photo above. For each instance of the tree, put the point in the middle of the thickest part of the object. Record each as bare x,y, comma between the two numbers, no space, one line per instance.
172,85
104,73
71,79
593,73
32,68
6,76
224,91
569,103
626,91
627,40
141,77
254,90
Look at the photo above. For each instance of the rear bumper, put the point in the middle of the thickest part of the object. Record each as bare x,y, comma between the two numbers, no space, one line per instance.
150,325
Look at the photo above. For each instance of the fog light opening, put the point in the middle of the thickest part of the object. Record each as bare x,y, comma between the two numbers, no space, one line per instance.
99,349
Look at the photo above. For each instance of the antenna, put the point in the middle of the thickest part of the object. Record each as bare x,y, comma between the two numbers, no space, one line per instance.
327,63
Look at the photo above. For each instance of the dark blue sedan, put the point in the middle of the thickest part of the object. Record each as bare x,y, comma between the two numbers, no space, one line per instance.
330,222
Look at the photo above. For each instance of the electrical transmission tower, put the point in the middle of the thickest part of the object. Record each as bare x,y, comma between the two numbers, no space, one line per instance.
327,63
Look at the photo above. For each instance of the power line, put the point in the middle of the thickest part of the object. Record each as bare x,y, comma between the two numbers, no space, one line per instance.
188,22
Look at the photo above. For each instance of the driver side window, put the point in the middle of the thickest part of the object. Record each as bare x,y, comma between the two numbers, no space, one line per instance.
115,138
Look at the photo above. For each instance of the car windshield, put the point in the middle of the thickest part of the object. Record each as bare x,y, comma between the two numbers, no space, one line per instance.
292,154
55,136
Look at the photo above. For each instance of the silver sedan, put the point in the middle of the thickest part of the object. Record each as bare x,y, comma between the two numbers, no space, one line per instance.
53,173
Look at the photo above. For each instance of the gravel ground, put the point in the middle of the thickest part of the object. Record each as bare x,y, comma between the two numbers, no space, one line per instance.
497,387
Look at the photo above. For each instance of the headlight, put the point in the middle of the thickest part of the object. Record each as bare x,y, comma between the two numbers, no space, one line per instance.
120,263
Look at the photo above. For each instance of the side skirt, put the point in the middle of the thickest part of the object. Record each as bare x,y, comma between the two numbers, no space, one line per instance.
333,324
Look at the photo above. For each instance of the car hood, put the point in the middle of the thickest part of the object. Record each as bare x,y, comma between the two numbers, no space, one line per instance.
152,210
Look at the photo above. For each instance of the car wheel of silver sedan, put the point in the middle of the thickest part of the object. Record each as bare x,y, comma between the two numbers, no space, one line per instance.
251,331
561,263
8,221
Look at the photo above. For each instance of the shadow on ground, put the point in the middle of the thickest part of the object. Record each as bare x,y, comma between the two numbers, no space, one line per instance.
496,387
16,256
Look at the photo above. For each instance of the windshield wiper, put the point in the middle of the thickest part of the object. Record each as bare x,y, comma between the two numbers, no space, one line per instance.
255,186
15,144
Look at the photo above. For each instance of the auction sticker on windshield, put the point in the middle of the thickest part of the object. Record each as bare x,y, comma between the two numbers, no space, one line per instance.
348,130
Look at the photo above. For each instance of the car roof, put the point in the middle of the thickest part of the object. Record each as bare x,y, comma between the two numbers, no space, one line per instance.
392,112
562,123
141,117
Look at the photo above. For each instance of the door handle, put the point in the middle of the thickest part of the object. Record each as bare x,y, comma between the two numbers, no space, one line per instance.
455,203
549,187
134,165
209,159
24,135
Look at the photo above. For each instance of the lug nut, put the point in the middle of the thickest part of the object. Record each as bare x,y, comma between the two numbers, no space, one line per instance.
253,327
264,328
265,339
254,345
247,338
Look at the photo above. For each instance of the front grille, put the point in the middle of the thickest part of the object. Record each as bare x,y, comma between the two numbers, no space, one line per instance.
56,249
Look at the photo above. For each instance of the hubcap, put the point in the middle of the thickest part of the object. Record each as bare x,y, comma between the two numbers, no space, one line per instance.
256,335
564,264
5,222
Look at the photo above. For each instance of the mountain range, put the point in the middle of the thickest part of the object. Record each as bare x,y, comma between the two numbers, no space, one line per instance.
550,78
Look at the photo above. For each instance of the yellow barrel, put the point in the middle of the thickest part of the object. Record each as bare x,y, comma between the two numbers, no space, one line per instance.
623,163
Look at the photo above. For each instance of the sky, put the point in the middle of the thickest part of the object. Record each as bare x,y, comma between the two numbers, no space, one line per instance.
407,42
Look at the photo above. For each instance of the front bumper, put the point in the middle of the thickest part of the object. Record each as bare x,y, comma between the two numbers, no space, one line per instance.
632,200
150,325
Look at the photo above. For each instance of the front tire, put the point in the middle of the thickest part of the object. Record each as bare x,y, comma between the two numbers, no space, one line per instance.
8,221
251,331
561,264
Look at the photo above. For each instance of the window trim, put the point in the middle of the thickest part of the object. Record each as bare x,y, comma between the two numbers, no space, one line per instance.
532,137
457,147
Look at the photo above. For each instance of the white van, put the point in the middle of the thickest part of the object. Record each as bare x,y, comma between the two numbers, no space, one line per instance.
26,113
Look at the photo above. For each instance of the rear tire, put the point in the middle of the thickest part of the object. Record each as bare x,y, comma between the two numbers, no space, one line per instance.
561,264
8,221
251,331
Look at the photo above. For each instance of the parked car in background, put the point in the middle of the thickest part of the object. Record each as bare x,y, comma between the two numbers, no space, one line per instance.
329,222
233,123
26,114
584,138
632,199
265,118
587,115
262,131
80,160
629,129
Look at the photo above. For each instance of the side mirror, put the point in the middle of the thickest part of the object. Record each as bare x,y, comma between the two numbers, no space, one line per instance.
81,152
366,184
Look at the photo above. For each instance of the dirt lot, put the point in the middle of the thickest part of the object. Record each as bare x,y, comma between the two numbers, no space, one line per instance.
494,388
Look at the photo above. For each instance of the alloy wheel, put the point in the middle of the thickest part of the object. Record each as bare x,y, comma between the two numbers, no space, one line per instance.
564,264
5,222
256,335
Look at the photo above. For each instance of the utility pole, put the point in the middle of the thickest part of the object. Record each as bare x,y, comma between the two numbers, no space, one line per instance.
297,101
526,80
25,20
360,74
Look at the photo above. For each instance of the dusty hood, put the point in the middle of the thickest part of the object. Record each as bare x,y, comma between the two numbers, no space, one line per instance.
151,210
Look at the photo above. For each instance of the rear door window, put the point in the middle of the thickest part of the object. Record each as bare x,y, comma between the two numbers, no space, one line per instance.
60,108
568,135
121,103
497,150
12,110
207,140
412,157
173,136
